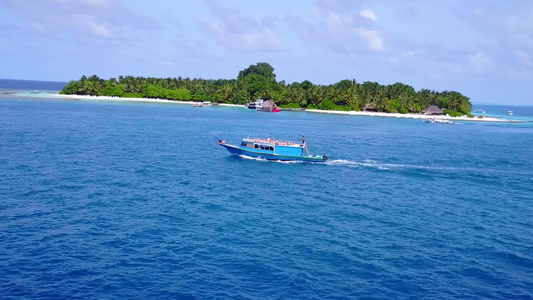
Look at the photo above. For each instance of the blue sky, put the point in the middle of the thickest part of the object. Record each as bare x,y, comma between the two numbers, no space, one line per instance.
481,48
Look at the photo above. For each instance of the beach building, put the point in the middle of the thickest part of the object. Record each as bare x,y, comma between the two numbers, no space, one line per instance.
268,105
434,110
370,107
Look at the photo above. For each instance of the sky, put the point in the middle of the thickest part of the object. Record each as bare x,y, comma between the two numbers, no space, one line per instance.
480,48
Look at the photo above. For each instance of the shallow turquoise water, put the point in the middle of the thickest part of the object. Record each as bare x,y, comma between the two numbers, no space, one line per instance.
130,200
524,113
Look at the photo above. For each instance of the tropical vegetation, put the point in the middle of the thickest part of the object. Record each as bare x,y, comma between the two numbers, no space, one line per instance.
259,81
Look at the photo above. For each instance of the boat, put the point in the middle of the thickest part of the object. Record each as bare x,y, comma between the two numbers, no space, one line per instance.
270,149
438,121
202,104
510,112
257,105
442,121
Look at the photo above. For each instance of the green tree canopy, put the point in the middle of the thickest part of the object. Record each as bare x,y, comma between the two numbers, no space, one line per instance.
262,69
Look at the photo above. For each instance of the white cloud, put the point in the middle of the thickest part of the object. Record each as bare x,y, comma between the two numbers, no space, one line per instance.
335,20
372,38
408,54
249,39
86,21
342,27
369,14
234,30
510,25
453,68
479,62
405,56
92,26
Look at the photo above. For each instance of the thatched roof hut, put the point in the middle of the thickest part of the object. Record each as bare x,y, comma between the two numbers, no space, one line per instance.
434,110
268,105
370,107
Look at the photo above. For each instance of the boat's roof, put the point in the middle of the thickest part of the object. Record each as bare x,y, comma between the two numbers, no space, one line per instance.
273,142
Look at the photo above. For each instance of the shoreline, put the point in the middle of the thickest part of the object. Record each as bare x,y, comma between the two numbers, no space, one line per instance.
337,112
149,100
414,116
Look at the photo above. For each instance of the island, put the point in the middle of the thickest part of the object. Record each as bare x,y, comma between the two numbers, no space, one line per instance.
259,82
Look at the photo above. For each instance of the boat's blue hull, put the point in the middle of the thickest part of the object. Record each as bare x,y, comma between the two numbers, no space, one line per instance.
262,155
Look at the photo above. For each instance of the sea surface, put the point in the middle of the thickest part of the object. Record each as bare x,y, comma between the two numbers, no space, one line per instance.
105,199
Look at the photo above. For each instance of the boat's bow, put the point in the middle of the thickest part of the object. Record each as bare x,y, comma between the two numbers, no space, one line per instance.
231,148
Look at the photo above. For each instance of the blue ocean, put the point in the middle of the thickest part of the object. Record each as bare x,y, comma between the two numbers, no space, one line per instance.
106,199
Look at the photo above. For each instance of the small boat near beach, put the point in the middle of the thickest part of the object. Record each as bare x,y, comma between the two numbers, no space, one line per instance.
202,104
438,121
270,149
257,105
510,113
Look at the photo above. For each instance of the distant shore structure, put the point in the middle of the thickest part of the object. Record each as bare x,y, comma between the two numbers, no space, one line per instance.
434,110
370,107
268,105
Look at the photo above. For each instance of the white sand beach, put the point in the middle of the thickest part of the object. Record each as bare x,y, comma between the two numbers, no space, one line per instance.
351,113
412,116
110,98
